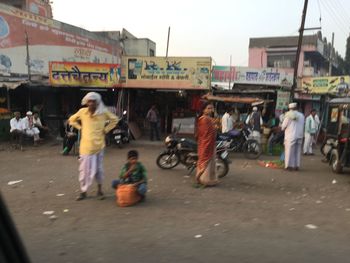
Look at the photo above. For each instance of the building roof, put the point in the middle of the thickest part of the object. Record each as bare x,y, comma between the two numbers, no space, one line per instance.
281,41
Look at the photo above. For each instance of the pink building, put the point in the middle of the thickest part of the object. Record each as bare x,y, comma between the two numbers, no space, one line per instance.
280,52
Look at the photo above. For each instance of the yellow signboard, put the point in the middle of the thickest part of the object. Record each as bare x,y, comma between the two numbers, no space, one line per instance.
167,72
334,85
84,74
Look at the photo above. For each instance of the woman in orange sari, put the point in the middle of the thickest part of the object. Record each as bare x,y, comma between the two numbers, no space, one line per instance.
206,138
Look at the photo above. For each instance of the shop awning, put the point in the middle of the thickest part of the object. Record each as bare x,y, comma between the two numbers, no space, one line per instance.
11,84
246,100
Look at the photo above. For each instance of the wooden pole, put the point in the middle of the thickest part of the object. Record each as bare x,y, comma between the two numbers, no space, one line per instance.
331,57
167,45
300,41
28,58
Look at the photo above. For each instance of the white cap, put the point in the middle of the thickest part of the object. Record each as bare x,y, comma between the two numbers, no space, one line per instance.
292,105
255,108
29,113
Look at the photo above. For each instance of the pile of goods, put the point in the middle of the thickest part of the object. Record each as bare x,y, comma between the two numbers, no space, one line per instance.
277,164
5,114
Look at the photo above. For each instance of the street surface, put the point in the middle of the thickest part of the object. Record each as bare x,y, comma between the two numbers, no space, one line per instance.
256,214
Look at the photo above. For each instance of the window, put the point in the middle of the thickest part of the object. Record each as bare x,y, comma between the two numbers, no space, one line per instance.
281,61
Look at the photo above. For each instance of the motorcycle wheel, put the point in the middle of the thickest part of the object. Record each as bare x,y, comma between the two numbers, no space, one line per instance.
221,168
167,160
252,149
335,162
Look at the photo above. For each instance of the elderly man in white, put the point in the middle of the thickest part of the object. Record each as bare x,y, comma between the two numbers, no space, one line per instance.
293,126
29,127
255,122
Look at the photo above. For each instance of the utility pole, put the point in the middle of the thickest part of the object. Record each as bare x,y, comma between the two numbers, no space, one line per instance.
331,57
28,58
300,41
167,45
229,80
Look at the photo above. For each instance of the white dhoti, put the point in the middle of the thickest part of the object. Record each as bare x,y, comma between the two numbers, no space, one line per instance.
298,147
90,167
292,153
33,132
308,143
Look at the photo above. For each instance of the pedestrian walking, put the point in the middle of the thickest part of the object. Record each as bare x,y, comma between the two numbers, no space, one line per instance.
92,120
153,118
293,126
311,126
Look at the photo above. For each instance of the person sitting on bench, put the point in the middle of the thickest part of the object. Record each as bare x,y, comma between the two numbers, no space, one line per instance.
17,130
30,129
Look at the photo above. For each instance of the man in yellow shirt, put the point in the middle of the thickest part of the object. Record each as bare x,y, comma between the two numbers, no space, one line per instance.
94,122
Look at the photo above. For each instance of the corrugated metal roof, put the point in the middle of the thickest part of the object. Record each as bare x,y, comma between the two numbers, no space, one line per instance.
281,41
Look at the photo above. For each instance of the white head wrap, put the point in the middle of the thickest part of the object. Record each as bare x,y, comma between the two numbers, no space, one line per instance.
101,108
29,113
255,108
292,105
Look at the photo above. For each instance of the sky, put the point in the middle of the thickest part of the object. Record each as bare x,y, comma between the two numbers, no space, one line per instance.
215,28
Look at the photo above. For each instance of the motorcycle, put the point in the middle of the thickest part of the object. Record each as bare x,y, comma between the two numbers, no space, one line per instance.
239,141
184,151
221,161
120,134
176,151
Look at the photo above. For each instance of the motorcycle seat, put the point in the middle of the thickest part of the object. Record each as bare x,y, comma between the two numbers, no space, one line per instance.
223,137
188,143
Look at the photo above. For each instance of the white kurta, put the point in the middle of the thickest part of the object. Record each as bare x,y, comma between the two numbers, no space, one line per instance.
226,123
293,126
310,131
30,130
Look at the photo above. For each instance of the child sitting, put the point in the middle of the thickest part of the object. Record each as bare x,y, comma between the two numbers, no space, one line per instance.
133,172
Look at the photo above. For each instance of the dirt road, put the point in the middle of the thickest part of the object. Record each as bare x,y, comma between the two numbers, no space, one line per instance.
256,214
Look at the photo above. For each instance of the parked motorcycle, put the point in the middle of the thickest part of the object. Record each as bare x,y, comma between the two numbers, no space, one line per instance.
184,151
120,134
239,141
221,161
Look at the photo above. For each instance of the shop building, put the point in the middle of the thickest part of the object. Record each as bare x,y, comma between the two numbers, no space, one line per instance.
174,84
31,40
280,52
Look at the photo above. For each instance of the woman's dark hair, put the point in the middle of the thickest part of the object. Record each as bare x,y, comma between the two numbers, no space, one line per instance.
203,106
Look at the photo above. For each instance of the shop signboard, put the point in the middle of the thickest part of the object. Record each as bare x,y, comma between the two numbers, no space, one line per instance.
337,85
223,74
48,40
167,72
283,99
303,96
84,74
264,76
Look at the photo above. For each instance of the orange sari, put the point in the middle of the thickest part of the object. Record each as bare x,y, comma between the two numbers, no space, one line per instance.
206,137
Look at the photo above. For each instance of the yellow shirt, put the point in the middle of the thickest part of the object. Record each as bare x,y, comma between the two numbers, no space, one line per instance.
93,129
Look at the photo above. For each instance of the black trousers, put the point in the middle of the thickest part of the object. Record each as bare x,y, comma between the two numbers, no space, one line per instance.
17,137
154,130
68,141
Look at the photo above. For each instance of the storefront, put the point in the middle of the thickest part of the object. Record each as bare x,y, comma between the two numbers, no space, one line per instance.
174,84
174,107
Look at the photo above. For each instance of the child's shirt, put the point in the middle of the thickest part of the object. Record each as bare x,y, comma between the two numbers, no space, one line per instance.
135,176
